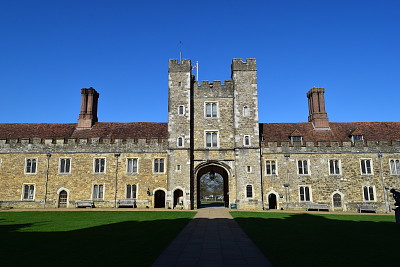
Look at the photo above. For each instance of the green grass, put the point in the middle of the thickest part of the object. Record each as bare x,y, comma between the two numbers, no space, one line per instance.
323,239
87,238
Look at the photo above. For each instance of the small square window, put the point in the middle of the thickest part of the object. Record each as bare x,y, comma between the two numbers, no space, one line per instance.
296,138
357,137
246,140
178,167
246,111
249,169
181,110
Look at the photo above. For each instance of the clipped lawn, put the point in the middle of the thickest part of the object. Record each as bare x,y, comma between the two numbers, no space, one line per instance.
87,238
295,239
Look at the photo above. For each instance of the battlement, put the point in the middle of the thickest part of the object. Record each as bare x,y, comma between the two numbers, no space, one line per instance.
175,66
214,89
239,65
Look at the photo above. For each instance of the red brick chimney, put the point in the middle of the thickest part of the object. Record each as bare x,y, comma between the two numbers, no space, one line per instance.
88,114
316,107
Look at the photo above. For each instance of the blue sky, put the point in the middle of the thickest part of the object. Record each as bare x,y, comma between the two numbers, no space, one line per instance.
49,50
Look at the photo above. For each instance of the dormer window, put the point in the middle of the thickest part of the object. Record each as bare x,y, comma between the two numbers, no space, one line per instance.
296,139
357,137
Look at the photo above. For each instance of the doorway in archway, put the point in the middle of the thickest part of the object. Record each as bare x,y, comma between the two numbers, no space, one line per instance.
62,199
272,203
178,198
159,199
212,186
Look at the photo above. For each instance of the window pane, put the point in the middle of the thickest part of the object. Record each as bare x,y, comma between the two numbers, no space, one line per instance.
268,166
101,191
128,191
371,193
214,139
273,167
214,110
307,193
95,191
67,166
208,139
363,170
134,191
161,165
305,167
208,110
366,193
300,166
397,167
26,191
156,165
301,193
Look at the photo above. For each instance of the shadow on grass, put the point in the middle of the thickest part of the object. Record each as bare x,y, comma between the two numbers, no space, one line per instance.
312,240
129,243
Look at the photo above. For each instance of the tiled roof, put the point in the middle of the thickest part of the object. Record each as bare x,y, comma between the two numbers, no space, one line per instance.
68,130
340,131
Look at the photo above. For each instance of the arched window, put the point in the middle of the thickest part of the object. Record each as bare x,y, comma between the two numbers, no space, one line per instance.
337,200
180,141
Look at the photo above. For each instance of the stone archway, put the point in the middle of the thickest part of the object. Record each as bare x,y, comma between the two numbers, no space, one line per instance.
63,199
272,201
159,199
177,194
217,168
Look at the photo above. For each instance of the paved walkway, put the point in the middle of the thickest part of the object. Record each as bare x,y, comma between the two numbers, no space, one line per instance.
212,238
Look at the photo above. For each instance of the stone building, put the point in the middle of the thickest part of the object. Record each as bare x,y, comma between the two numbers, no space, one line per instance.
212,128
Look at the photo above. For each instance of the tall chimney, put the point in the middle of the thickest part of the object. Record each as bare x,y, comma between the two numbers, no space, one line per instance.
316,107
88,114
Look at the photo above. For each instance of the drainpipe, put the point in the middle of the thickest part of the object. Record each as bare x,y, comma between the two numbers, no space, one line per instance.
116,155
384,188
47,179
261,172
286,185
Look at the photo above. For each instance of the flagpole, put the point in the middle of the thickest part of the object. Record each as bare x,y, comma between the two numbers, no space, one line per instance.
180,51
197,70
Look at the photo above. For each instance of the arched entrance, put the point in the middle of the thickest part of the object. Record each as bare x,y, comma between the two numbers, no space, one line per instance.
177,194
159,199
62,199
272,203
212,170
337,200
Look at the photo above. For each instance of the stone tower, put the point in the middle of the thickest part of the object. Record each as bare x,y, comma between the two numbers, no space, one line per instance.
246,132
179,131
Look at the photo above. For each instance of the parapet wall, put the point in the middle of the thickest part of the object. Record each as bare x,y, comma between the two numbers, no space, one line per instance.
93,145
331,147
176,66
214,89
239,65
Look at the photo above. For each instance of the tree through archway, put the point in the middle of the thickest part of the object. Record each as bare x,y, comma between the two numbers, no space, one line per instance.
212,186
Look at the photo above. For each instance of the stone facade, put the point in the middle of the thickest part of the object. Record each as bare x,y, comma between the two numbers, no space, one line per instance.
212,127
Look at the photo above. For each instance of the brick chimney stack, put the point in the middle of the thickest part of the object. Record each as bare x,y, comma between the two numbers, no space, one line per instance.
88,114
316,107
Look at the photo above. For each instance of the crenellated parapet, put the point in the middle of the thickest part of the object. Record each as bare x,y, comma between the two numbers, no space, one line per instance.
214,89
82,145
331,147
176,66
239,65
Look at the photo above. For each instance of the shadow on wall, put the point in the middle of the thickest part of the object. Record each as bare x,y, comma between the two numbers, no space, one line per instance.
314,240
129,243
